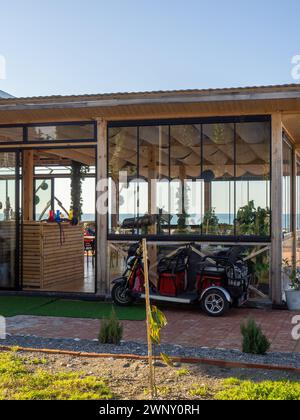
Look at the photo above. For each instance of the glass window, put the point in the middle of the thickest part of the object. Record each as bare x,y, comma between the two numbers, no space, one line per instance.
154,169
287,187
11,134
253,178
43,198
8,227
123,186
185,170
298,195
208,179
62,132
218,177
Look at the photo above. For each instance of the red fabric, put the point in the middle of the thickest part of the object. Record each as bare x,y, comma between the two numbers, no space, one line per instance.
139,282
171,284
206,282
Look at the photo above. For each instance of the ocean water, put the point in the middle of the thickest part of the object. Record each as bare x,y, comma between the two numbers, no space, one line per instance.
193,219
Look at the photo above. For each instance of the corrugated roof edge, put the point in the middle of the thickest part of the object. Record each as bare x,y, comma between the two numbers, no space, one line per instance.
152,93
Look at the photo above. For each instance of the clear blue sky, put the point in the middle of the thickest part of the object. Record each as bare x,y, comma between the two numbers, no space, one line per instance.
94,46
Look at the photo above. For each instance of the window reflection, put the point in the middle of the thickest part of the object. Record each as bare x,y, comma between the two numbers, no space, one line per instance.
253,178
11,134
218,166
62,132
287,186
190,179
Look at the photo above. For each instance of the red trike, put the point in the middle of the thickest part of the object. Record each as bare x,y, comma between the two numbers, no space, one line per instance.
216,283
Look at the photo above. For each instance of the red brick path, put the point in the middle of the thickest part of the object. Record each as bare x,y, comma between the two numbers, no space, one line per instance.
186,327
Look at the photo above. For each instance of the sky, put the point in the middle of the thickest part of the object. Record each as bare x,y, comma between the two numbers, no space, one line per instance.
96,46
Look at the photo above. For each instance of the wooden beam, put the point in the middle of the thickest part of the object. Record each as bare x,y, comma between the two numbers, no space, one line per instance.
294,207
103,286
277,197
28,199
73,154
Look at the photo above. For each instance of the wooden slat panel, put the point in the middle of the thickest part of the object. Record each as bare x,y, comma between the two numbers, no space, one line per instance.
46,261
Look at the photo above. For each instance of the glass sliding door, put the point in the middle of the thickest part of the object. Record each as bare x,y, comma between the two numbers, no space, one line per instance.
9,220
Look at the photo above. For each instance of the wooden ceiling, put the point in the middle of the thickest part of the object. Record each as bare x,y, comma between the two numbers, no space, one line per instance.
64,157
252,154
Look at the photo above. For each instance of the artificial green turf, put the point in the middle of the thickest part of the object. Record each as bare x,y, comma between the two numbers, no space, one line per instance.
21,305
12,306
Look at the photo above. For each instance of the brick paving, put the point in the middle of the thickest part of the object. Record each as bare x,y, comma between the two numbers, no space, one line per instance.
186,327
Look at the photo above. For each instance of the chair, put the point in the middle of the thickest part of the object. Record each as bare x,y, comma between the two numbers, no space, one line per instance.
218,265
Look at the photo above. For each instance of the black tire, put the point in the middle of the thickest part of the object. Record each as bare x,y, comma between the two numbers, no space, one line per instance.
121,295
214,303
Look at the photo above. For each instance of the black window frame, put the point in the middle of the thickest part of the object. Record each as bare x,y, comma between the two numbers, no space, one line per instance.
51,124
194,121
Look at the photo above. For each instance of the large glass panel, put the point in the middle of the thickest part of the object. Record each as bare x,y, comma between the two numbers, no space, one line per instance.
186,186
211,179
253,178
62,195
42,199
88,199
7,220
298,194
287,187
154,169
11,134
64,180
123,185
218,179
62,132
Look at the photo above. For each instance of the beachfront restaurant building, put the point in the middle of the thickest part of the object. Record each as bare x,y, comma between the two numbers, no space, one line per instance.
216,168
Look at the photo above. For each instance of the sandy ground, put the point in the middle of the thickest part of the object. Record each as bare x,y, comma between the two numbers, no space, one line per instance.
128,379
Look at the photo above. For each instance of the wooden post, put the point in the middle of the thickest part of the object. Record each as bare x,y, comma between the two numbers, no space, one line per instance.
277,234
28,196
103,286
148,312
294,208
207,197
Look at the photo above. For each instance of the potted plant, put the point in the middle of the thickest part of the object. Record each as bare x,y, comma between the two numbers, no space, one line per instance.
292,294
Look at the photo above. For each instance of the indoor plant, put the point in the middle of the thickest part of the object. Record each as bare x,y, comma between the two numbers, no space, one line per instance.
292,294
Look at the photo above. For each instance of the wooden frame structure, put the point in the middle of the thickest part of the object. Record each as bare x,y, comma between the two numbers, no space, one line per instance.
280,103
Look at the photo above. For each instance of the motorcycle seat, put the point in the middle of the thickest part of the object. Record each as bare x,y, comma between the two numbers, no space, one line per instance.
214,270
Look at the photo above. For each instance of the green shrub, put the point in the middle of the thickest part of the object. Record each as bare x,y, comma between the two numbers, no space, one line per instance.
267,390
111,330
254,341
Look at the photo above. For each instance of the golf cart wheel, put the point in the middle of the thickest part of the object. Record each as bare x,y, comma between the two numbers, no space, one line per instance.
214,303
121,296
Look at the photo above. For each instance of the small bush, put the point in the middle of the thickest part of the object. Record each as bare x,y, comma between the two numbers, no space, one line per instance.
183,372
254,341
111,330
199,391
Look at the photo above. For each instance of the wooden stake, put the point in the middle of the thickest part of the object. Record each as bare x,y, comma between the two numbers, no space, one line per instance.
148,311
